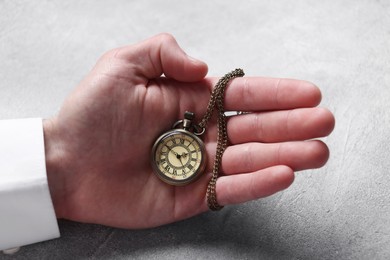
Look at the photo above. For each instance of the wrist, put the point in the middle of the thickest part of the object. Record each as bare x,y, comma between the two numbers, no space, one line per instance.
55,176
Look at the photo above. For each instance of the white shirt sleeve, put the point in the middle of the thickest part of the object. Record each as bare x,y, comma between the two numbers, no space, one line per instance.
26,211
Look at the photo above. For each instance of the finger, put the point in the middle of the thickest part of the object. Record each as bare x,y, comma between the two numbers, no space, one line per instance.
244,187
280,126
255,156
162,54
258,93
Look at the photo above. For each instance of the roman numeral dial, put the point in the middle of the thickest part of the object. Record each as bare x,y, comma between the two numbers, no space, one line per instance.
178,157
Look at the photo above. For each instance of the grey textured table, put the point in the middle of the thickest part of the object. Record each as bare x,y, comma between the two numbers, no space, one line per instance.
338,212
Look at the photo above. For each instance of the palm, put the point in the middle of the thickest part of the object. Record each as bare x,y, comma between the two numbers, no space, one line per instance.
108,126
116,136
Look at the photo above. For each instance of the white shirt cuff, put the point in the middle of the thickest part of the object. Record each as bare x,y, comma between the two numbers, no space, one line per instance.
26,211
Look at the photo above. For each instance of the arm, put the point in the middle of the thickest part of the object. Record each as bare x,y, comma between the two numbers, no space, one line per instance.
100,142
98,146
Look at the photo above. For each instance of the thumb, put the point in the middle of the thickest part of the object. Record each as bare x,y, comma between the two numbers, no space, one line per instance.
161,54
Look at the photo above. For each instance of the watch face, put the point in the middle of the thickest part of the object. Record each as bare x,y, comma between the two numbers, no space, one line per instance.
178,157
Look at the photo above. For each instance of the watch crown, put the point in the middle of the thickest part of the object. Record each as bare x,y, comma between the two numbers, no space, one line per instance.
189,115
187,122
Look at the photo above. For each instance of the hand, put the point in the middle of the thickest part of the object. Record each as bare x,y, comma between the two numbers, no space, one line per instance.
98,145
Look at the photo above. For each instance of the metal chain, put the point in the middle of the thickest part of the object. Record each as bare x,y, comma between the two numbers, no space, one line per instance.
217,101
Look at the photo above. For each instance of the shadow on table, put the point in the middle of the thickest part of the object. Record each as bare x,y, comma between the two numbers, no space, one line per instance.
250,231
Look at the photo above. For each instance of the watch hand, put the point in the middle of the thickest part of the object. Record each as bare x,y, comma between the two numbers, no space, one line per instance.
181,163
178,157
176,154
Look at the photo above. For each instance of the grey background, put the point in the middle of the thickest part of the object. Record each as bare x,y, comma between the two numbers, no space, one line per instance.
338,212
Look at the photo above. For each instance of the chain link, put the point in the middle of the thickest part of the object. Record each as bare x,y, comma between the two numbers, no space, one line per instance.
217,101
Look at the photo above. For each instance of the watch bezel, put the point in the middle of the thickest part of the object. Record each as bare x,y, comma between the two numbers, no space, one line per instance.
195,175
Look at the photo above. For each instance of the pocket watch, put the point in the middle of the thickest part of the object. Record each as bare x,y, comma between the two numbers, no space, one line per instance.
179,155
